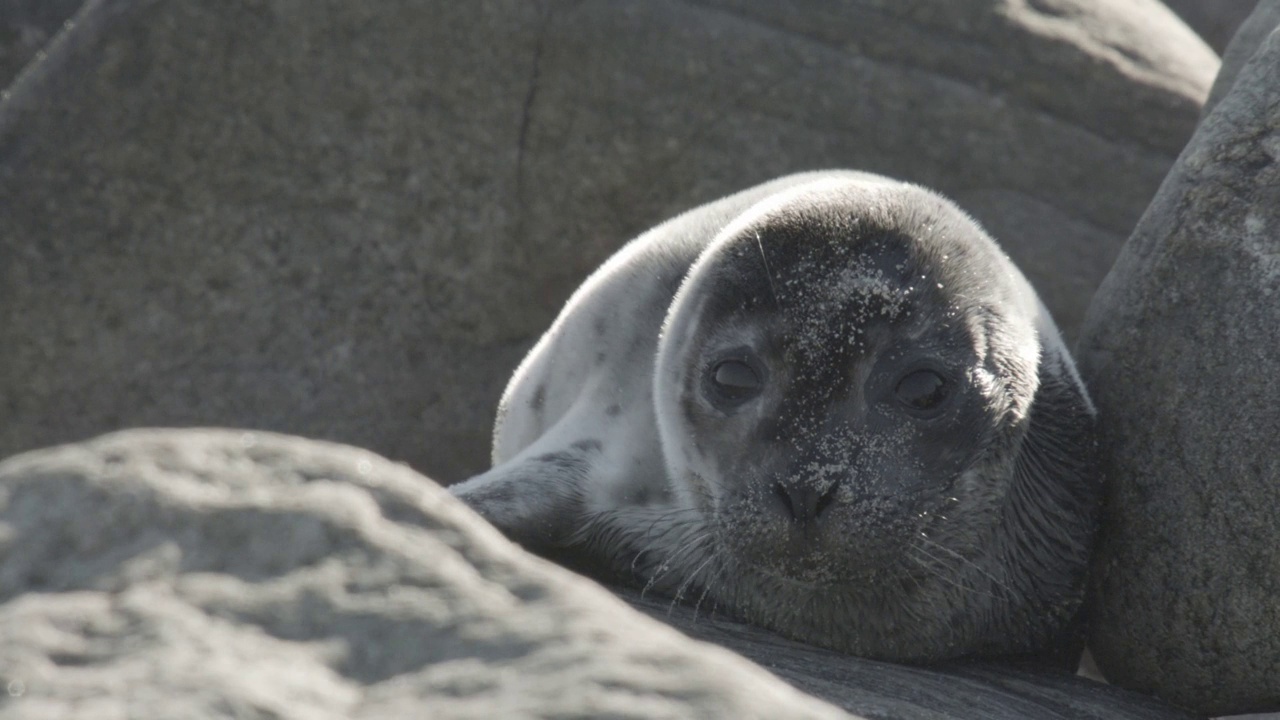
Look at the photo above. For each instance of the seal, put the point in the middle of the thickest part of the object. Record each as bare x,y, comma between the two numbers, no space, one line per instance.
831,406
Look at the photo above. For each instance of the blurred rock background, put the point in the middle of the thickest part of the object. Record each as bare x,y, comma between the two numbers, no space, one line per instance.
1215,20
26,26
349,222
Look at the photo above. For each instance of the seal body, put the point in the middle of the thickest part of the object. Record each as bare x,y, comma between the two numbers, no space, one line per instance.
830,406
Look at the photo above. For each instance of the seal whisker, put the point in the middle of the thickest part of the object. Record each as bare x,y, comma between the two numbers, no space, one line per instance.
995,581
937,571
709,587
767,272
679,593
673,561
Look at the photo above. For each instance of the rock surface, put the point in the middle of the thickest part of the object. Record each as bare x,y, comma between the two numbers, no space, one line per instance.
155,574
214,574
1180,351
965,689
1215,20
350,220
25,27
1253,32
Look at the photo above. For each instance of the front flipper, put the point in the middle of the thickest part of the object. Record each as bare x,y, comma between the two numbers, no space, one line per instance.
536,499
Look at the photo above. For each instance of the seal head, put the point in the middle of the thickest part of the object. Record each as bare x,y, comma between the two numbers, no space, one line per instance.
833,381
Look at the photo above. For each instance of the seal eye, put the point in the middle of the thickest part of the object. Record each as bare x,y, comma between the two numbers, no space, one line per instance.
733,381
924,392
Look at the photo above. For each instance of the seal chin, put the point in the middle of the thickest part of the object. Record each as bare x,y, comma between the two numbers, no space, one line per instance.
823,570
851,545
810,572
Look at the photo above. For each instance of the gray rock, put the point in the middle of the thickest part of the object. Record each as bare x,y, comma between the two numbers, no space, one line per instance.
167,574
1180,351
963,689
1252,33
25,27
350,220
1215,20
205,574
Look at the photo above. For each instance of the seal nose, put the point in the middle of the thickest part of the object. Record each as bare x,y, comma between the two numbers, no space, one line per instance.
804,504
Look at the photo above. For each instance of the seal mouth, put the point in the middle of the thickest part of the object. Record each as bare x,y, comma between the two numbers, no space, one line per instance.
851,542
826,571
818,571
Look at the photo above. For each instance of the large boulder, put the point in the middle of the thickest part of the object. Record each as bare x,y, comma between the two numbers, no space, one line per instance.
228,574
350,220
218,574
1182,350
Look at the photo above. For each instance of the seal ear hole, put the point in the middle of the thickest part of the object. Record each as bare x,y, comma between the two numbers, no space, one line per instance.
924,392
733,380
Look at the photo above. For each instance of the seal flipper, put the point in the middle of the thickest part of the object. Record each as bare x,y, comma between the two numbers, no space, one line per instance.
536,499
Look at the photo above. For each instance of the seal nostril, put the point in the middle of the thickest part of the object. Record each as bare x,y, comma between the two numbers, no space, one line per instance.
784,497
804,504
825,500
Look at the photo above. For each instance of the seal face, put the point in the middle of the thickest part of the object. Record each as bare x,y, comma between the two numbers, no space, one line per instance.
828,404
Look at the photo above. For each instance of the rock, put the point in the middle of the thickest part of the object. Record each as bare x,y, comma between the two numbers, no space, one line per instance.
1180,351
350,220
964,689
218,573
202,574
1252,33
1215,20
25,27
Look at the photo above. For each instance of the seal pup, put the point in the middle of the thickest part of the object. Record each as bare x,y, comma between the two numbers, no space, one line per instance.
831,406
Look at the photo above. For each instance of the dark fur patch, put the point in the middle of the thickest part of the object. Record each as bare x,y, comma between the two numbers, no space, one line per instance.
1054,506
570,464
